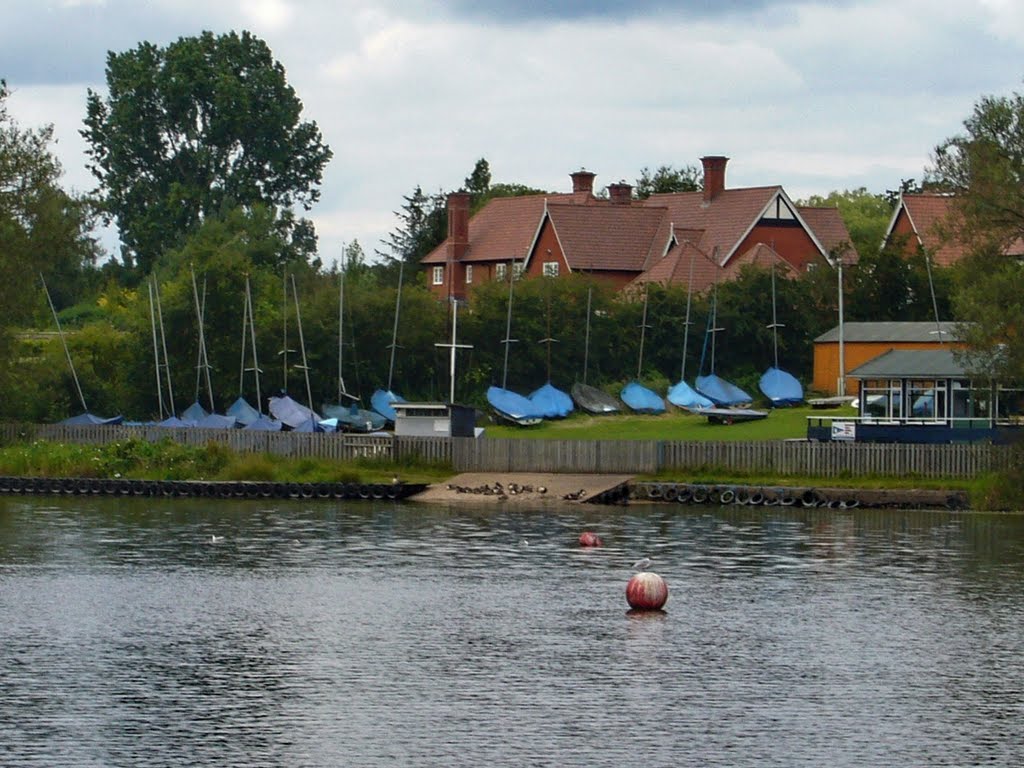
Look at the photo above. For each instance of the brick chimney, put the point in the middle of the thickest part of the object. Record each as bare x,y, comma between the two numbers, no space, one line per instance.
582,184
714,176
458,224
620,193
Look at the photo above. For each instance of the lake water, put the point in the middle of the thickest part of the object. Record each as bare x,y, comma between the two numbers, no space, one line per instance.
372,634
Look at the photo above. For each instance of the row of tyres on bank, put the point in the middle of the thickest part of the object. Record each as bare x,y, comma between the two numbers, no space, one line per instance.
79,486
754,496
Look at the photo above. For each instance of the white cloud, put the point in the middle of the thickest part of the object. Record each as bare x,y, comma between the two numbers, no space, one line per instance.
813,96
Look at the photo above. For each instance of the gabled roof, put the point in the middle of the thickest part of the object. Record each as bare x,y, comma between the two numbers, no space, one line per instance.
912,364
674,269
611,237
723,222
504,229
828,225
892,332
927,214
761,256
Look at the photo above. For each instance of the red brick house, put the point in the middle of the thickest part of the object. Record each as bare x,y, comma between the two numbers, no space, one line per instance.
626,241
924,220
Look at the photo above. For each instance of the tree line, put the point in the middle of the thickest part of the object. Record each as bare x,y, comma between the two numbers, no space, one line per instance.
205,163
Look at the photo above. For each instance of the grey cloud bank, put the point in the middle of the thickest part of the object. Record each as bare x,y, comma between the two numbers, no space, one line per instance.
811,95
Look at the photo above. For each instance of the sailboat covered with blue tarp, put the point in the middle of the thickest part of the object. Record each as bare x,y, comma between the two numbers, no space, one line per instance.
635,395
682,395
552,402
722,392
382,401
779,386
92,419
242,412
513,406
640,399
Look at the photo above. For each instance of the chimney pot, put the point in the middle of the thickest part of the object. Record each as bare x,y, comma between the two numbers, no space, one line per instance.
582,183
620,193
714,175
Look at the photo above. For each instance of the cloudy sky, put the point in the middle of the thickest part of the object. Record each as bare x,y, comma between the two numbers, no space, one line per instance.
811,95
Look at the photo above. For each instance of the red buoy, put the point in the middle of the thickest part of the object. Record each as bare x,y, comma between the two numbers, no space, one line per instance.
646,591
590,539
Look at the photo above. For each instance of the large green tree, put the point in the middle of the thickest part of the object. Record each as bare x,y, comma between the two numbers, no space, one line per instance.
984,166
668,178
185,132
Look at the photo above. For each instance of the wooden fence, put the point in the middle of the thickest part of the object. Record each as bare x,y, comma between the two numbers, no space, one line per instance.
825,459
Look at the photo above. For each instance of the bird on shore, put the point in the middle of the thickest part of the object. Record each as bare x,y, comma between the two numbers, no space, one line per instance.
642,564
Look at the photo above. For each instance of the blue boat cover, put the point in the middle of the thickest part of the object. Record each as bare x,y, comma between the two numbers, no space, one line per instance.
552,402
381,401
781,387
641,399
720,391
290,413
216,421
88,418
309,425
243,413
194,412
264,424
511,405
174,422
685,396
353,418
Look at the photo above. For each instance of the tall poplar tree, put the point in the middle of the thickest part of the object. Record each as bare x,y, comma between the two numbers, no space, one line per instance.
193,130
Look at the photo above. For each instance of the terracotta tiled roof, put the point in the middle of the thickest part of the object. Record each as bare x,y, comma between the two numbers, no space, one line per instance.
612,237
828,225
502,230
931,215
723,222
761,256
674,269
928,214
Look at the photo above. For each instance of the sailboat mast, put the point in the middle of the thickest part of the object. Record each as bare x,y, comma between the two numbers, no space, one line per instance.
686,322
508,324
284,325
64,343
394,330
302,344
252,338
156,352
245,331
163,345
775,322
643,333
204,360
342,389
549,340
586,338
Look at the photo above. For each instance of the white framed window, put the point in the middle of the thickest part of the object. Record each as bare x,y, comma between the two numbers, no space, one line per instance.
550,269
500,271
517,270
469,273
811,266
438,275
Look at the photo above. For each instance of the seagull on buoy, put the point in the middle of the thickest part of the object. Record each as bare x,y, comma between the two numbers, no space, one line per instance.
642,564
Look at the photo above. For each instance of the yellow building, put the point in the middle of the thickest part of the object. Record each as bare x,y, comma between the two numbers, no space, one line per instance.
862,342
